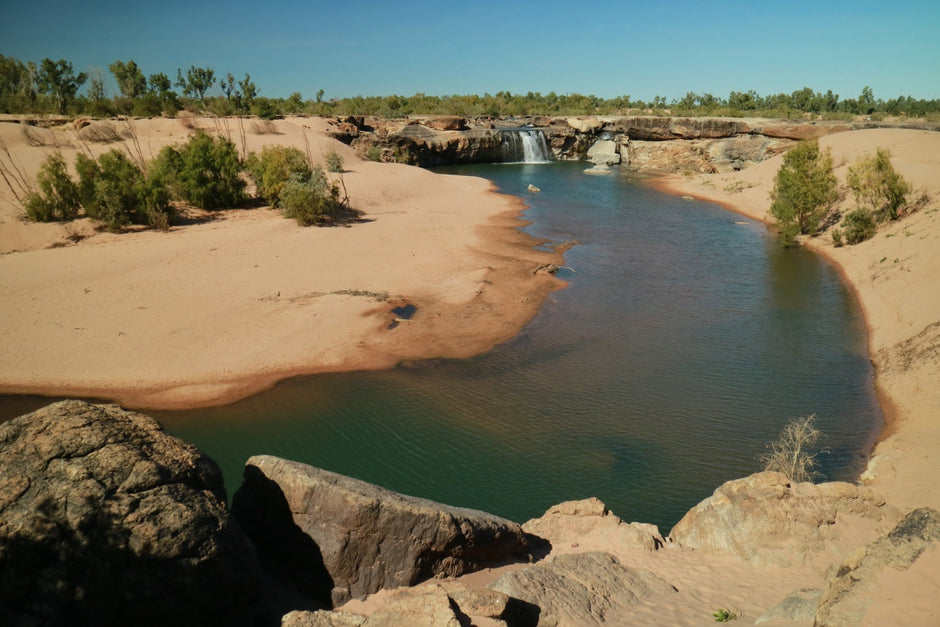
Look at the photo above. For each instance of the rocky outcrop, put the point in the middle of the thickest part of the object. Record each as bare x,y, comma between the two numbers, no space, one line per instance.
649,128
567,524
359,537
765,519
107,519
604,151
582,589
850,587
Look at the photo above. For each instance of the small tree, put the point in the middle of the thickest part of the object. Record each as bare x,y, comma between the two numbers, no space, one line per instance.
197,82
57,198
310,201
334,162
876,183
858,226
204,172
804,190
792,453
272,169
130,79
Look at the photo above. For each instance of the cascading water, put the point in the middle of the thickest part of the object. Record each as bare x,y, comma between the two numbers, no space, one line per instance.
525,145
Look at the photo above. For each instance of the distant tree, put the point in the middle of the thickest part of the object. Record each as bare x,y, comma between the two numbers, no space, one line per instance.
161,87
17,85
98,103
877,184
866,101
59,79
249,93
804,190
197,82
130,79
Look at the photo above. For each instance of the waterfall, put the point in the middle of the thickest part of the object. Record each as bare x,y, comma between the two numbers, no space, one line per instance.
525,145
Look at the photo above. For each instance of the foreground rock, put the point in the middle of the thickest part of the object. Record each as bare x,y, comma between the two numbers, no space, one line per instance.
107,519
766,520
341,538
567,524
851,588
582,589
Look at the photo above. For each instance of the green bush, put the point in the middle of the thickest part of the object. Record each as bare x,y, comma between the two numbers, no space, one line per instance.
204,172
274,167
837,240
858,226
57,198
310,201
334,162
876,183
804,190
374,153
115,192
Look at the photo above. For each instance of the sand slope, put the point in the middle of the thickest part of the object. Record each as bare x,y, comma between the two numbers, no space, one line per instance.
215,311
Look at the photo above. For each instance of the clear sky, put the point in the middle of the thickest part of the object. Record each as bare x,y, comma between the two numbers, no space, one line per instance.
606,48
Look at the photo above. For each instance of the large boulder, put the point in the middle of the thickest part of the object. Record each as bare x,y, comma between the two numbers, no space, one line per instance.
885,567
569,524
360,537
603,152
583,589
107,519
765,519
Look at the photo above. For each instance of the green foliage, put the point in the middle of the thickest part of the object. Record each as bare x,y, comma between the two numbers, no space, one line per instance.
205,172
837,239
117,193
310,201
374,153
130,79
197,82
274,167
334,162
804,190
792,453
723,615
59,79
876,183
858,226
57,198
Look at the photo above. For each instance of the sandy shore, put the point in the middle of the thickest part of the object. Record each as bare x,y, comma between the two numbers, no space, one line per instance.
896,276
215,311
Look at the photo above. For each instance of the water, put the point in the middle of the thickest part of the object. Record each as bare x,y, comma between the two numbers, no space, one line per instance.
685,340
525,145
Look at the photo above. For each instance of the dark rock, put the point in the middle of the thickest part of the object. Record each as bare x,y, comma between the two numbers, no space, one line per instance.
107,519
367,538
765,519
850,588
582,588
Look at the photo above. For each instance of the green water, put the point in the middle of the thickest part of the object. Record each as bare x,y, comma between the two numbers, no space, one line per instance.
685,340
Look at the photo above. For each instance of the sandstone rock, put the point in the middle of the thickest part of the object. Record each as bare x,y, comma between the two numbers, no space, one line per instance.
107,519
362,538
765,519
446,123
603,151
798,606
800,131
850,588
321,618
585,125
573,522
582,588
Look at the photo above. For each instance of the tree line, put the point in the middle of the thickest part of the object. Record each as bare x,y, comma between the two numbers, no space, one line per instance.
54,86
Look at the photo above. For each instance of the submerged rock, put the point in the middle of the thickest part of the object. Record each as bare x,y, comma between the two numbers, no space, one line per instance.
343,538
107,519
765,519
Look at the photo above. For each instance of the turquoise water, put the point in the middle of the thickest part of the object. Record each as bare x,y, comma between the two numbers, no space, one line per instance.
686,338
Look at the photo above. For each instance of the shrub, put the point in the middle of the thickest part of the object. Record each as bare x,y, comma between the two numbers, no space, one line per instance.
310,201
274,167
858,226
57,198
334,162
791,453
204,172
374,153
804,190
837,240
876,183
115,192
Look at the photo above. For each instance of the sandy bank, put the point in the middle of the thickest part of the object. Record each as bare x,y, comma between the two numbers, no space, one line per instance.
220,309
896,277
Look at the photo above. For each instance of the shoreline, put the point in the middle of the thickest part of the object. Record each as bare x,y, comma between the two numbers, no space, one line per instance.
893,279
216,311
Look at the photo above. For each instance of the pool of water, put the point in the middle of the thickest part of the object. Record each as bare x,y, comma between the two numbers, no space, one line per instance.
686,338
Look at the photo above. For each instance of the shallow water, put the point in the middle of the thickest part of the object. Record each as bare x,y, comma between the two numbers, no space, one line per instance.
686,338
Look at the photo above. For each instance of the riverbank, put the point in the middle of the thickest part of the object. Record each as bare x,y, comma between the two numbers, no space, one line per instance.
895,276
230,303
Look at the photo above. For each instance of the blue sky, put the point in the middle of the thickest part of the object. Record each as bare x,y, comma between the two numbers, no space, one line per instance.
641,49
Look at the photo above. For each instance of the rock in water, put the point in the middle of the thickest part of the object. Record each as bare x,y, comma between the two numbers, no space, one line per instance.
341,538
767,520
107,519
